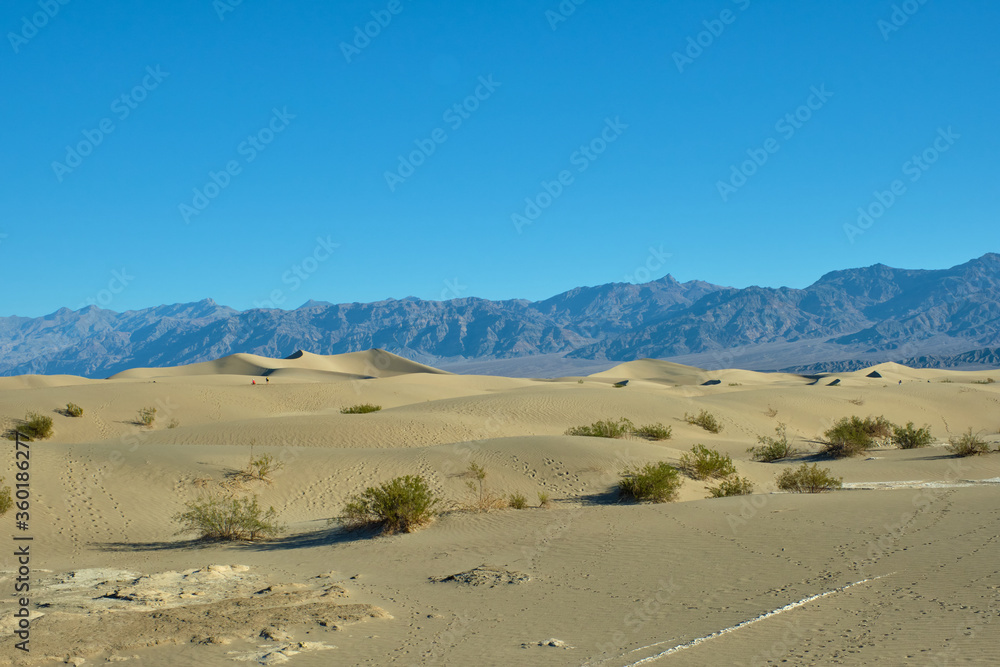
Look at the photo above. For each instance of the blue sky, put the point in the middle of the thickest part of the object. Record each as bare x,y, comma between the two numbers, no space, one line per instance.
267,155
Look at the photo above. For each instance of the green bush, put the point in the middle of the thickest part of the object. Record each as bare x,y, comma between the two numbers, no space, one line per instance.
703,463
543,499
401,505
229,518
482,500
260,468
704,419
732,486
6,500
907,437
74,410
968,444
851,436
655,482
360,409
773,449
36,426
608,428
808,479
655,431
147,416
518,501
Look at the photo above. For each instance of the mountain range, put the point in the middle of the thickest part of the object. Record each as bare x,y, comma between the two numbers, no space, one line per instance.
948,317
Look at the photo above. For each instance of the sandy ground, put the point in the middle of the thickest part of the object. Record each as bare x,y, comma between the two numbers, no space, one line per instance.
899,568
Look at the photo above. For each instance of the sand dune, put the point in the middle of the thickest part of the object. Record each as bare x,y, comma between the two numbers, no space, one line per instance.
372,363
898,569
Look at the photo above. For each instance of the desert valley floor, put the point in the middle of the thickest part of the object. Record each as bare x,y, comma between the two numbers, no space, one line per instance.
899,567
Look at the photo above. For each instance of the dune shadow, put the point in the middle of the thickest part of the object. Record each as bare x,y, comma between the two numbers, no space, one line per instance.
163,545
322,537
608,497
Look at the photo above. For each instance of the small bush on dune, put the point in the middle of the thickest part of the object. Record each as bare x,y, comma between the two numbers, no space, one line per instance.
808,479
655,431
360,409
229,518
732,486
968,444
907,437
260,468
482,500
704,419
6,500
147,416
543,499
36,426
851,436
703,463
607,428
517,501
773,449
655,482
74,410
399,506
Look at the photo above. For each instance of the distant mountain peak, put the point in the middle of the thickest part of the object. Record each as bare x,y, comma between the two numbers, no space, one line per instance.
856,312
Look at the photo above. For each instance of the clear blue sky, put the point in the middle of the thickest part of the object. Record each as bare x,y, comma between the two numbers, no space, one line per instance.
200,78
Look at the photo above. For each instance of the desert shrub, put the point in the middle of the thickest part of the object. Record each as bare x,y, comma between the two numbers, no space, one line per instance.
986,381
808,479
619,385
655,482
773,449
36,426
907,437
482,500
174,423
704,419
400,505
147,416
6,500
229,518
260,468
732,486
703,463
607,428
968,444
851,436
360,409
74,410
771,412
518,501
543,499
655,431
